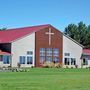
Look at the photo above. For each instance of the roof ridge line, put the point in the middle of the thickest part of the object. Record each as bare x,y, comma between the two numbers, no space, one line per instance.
28,27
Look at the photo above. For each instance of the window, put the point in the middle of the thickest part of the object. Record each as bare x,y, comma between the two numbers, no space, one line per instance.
49,54
42,59
85,61
55,59
29,60
6,59
67,54
30,52
66,61
49,51
73,61
22,59
42,51
1,58
49,59
56,52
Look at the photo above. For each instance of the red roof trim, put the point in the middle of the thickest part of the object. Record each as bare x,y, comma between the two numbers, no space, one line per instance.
86,51
28,27
4,53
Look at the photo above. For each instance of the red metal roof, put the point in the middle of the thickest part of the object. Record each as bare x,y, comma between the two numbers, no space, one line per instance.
86,51
4,53
10,35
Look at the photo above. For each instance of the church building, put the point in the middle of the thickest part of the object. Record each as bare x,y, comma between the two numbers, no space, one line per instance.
32,46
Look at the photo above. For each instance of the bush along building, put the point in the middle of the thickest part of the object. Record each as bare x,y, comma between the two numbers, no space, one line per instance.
35,45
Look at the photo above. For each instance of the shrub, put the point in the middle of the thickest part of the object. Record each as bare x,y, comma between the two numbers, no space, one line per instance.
48,64
19,65
57,65
51,65
67,67
76,66
71,67
89,67
32,67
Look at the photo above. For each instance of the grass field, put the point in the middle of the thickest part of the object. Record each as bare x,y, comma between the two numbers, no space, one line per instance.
46,79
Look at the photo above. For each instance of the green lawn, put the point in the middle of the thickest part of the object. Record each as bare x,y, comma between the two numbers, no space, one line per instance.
46,79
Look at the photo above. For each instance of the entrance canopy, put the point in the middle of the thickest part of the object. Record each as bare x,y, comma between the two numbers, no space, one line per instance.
4,53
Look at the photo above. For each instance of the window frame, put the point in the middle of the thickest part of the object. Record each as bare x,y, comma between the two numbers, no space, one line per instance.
22,59
73,61
56,52
29,52
1,58
5,58
49,51
42,59
85,61
42,51
30,59
67,62
56,60
49,59
67,54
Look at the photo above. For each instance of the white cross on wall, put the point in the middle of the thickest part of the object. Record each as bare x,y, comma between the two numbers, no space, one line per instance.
49,33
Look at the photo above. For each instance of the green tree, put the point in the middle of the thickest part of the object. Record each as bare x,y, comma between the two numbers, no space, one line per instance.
3,29
71,30
80,33
88,37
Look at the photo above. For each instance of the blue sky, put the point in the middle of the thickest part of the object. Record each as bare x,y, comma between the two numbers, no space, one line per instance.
59,13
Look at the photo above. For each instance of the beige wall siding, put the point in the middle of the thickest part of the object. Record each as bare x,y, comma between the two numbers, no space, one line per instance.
20,48
74,49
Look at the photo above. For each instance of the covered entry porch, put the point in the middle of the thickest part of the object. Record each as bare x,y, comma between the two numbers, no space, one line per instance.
86,58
